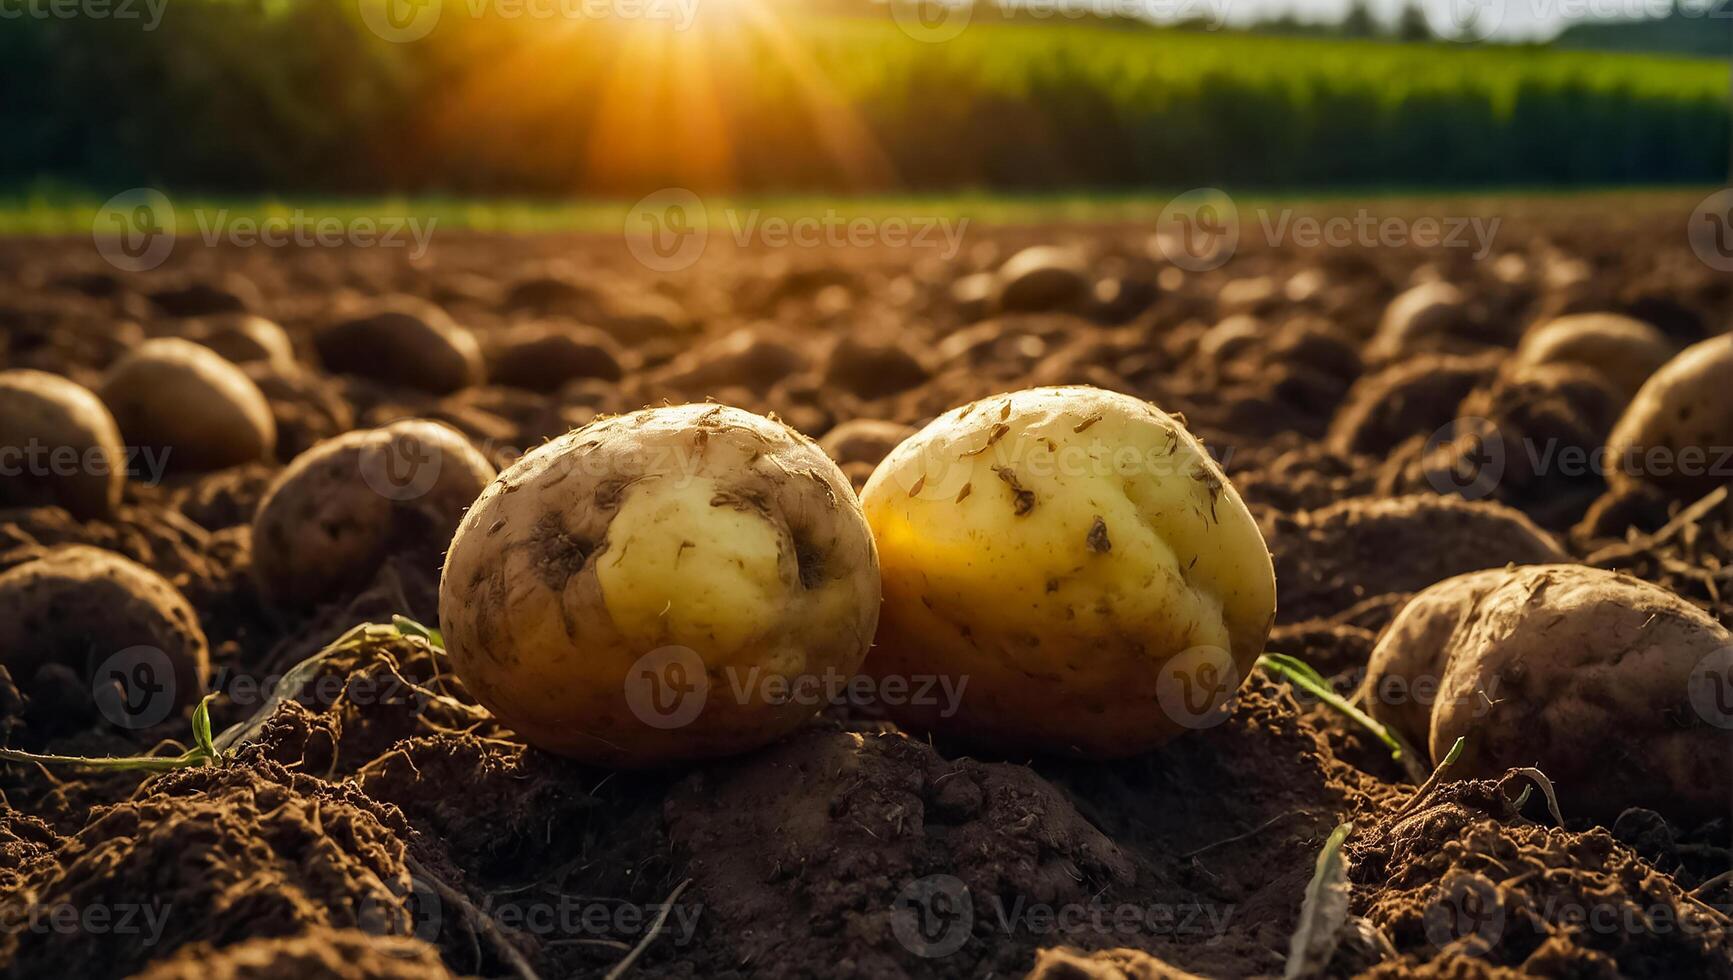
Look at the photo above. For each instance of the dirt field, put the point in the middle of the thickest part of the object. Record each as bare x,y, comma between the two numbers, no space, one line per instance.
379,824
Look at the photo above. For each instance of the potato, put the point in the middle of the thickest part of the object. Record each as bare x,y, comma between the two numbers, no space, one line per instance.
243,338
175,395
864,440
334,514
1332,559
1413,398
1040,278
635,592
544,356
58,445
120,627
1079,559
403,342
1622,350
1432,316
1677,434
874,369
1584,673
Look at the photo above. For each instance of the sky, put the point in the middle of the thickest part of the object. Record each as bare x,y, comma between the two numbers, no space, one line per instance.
1506,19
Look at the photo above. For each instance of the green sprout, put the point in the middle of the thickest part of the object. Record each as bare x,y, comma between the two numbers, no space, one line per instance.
208,750
1301,674
203,753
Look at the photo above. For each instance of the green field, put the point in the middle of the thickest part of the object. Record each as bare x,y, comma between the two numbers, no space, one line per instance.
66,214
312,103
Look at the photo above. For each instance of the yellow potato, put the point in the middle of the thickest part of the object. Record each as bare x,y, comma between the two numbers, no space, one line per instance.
1623,350
1677,433
1075,564
672,584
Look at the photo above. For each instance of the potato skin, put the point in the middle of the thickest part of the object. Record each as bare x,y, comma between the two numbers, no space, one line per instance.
56,412
176,394
404,343
700,527
1685,408
1623,350
1059,548
79,606
334,514
1581,672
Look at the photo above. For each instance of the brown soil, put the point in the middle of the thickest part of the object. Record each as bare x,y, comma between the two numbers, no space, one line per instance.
382,825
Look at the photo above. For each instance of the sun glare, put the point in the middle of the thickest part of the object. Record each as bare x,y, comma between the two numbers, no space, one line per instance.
651,90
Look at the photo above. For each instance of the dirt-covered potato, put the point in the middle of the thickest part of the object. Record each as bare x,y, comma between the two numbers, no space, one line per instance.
1583,673
1413,398
174,395
1332,559
649,588
1677,434
1042,277
126,635
1432,316
1623,350
544,356
406,343
1078,557
864,440
58,445
243,338
335,513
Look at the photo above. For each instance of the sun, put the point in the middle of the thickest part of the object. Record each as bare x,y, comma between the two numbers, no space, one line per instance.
647,94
